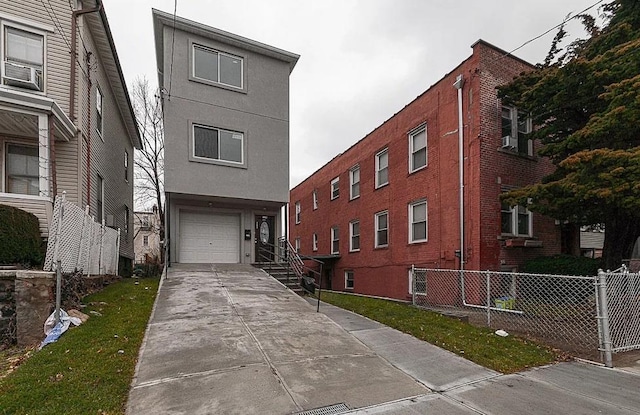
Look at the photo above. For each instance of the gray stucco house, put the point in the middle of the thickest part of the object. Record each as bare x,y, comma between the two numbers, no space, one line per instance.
226,123
66,121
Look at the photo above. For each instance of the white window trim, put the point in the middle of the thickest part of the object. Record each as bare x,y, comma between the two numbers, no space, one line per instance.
421,128
315,199
334,182
219,52
4,148
377,168
377,244
346,280
351,236
315,242
127,223
100,110
297,242
126,166
26,26
412,240
218,160
514,113
352,172
101,194
334,239
514,223
298,212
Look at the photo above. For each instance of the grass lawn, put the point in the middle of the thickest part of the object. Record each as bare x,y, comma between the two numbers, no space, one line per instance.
89,369
503,354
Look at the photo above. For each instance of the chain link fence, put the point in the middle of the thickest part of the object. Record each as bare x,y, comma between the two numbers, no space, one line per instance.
558,310
80,243
622,293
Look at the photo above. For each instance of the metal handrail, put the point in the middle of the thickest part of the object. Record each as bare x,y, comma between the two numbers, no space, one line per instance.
284,252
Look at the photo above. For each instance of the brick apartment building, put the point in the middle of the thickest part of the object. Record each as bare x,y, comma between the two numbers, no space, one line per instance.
393,199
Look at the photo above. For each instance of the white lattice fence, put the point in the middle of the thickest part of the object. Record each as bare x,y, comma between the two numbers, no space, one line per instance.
79,242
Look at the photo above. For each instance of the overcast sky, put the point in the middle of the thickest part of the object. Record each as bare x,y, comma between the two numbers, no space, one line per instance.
361,60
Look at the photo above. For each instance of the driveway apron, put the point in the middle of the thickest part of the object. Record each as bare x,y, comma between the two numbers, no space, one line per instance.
229,339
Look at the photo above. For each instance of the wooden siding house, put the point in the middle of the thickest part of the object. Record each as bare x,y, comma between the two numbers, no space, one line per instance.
66,120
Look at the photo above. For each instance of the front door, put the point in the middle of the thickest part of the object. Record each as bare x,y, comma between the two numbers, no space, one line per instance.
265,234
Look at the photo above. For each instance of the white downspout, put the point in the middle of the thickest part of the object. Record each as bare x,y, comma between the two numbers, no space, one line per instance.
458,85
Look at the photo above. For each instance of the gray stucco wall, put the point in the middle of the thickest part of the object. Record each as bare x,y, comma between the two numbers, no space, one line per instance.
260,111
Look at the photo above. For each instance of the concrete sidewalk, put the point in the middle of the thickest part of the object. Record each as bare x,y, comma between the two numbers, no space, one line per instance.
229,339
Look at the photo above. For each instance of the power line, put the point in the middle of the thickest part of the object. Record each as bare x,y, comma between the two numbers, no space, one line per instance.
58,26
556,26
173,42
56,22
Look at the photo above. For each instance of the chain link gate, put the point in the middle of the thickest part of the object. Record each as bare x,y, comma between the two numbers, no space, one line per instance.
619,311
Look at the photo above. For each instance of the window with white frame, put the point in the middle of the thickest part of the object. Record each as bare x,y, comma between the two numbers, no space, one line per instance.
516,220
382,168
145,240
23,64
354,236
418,221
348,280
335,240
315,242
516,131
315,199
217,67
22,169
298,244
354,182
298,212
126,165
418,148
218,144
99,112
382,229
335,188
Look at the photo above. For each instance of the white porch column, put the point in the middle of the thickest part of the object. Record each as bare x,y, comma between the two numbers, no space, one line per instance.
44,155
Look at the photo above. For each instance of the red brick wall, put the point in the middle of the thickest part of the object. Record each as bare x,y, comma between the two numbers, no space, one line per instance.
384,271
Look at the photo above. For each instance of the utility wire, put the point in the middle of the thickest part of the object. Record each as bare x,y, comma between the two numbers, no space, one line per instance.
556,26
173,42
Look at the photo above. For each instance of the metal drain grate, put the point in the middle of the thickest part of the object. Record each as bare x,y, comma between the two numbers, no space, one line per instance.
336,409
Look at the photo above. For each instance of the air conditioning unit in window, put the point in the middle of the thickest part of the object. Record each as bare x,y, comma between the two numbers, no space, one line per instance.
509,142
22,76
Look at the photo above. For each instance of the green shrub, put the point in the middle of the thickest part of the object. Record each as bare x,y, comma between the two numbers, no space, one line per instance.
20,240
563,265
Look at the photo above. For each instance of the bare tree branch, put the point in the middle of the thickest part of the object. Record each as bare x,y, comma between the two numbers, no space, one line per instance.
149,162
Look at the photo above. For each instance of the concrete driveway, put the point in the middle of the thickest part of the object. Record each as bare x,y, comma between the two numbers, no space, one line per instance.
229,339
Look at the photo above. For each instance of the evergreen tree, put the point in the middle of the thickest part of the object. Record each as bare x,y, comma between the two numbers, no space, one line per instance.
585,104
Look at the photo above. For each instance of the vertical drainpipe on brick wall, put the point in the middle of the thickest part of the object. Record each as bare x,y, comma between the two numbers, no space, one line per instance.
458,85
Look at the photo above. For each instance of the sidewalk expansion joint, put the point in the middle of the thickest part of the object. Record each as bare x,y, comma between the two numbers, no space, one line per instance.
275,372
195,374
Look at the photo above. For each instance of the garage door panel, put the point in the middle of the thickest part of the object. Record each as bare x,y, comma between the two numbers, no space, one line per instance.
209,238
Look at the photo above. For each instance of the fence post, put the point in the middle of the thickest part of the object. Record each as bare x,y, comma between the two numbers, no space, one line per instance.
101,247
117,255
488,299
603,316
413,284
56,258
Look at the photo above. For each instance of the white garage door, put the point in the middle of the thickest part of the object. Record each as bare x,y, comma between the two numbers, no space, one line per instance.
209,238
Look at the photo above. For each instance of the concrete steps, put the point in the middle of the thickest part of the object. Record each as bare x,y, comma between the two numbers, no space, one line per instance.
282,273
